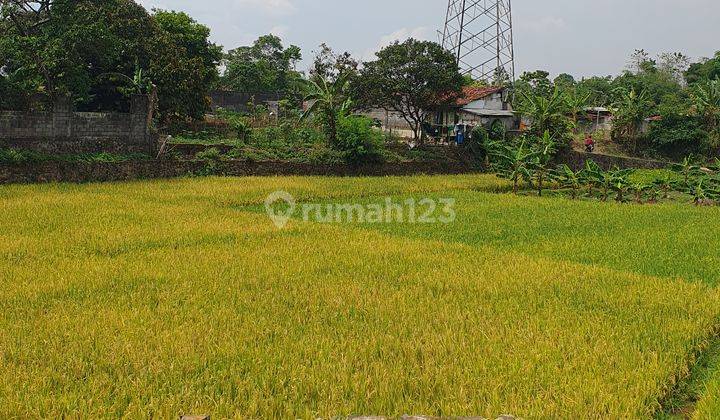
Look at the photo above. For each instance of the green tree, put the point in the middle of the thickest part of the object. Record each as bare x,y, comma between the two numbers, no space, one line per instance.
707,69
548,114
71,47
196,67
409,78
265,66
536,83
565,82
330,66
599,90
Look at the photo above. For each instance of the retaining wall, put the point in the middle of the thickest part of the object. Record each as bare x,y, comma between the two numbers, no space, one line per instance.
576,160
103,172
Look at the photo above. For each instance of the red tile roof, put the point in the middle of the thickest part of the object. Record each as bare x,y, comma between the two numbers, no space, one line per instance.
472,94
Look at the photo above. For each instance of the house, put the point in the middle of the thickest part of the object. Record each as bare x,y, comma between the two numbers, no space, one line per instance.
595,119
474,106
479,106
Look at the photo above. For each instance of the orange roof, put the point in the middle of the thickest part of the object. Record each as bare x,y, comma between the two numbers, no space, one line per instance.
472,94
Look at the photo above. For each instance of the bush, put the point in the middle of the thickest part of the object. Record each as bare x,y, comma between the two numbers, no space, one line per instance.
237,123
212,154
358,140
677,136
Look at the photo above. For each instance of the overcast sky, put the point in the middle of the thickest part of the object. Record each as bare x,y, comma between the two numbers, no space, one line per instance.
580,37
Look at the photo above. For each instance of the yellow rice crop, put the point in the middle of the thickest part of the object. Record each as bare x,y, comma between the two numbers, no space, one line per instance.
169,297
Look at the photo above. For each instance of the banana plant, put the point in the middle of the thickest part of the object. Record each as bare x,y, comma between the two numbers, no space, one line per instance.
515,163
687,169
639,189
715,166
655,194
592,176
702,193
665,185
698,192
569,179
620,183
606,179
543,155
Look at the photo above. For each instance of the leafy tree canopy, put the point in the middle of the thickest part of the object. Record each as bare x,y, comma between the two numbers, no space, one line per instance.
264,67
708,69
409,78
89,49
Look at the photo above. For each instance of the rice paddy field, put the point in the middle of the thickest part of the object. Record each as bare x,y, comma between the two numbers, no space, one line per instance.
163,298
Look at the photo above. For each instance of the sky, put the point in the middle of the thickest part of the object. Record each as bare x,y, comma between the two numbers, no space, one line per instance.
580,37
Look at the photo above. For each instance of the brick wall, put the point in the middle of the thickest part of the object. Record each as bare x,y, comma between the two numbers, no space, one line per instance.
64,131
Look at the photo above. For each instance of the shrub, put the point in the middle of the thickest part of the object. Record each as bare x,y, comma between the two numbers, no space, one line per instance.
237,123
358,140
209,154
677,136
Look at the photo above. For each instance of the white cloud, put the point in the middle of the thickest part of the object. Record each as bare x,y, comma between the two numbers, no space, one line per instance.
547,23
280,30
421,33
270,7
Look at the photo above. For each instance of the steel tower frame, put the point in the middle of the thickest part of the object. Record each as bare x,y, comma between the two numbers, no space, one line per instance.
480,34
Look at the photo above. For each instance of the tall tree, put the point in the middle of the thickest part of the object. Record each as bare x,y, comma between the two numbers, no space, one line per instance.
266,66
410,79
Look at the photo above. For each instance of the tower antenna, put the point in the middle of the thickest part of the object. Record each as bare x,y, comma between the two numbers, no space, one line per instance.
480,34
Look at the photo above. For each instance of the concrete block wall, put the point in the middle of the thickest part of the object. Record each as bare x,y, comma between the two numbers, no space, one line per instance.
63,131
238,101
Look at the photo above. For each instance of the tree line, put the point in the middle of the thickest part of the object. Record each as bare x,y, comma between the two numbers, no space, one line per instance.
682,99
100,51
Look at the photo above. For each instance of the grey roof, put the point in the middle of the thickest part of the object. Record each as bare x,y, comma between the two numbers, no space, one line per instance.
488,112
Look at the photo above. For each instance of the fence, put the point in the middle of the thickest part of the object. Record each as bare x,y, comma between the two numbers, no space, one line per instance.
63,131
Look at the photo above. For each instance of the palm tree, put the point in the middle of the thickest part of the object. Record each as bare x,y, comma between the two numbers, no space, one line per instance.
330,100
